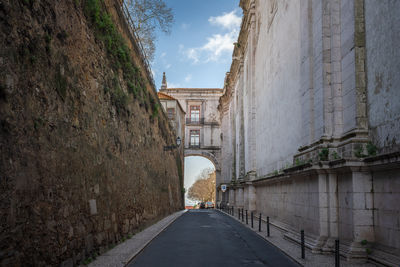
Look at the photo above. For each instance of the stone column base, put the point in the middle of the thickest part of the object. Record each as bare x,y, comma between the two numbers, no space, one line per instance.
356,253
318,244
329,246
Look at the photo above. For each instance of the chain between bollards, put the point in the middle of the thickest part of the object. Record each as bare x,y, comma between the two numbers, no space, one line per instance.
337,254
259,223
303,253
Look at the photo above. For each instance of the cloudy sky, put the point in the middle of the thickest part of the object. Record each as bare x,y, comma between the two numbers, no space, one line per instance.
197,53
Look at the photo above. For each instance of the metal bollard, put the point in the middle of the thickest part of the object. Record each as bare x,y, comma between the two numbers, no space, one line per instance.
259,223
247,218
242,215
233,211
337,254
267,226
238,214
251,219
303,254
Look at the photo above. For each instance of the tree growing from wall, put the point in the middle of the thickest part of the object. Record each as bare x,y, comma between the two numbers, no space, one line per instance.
204,187
148,17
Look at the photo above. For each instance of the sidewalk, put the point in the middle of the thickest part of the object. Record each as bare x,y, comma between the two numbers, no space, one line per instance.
293,250
126,251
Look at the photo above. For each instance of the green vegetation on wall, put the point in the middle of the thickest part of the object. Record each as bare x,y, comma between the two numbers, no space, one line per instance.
121,57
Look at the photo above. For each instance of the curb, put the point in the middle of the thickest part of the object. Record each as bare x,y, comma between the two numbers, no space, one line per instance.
126,251
288,255
153,237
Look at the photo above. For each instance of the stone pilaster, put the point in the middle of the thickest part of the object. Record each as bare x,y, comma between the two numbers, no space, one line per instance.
363,214
360,56
323,212
333,213
251,197
232,196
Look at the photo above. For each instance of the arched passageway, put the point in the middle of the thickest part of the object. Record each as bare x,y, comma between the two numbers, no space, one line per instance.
196,166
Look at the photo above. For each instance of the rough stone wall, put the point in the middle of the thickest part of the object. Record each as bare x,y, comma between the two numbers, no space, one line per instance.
383,59
82,166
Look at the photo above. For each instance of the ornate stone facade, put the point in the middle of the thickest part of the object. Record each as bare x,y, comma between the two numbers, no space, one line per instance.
310,116
202,123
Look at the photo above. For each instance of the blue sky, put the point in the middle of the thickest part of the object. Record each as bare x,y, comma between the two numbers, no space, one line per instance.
197,53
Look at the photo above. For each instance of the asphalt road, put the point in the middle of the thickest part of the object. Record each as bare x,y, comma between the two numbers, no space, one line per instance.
207,238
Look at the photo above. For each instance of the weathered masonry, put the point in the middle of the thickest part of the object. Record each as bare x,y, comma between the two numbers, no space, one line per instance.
202,124
82,164
311,123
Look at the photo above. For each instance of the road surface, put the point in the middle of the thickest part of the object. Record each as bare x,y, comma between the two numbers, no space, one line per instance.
208,238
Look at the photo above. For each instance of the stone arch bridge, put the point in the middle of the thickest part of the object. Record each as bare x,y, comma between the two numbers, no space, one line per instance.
202,122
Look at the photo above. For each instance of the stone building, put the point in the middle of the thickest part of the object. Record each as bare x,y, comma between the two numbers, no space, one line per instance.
202,122
310,117
174,112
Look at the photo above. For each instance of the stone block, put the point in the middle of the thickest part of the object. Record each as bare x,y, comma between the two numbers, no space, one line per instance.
67,263
363,233
369,200
93,206
362,182
362,217
96,189
359,201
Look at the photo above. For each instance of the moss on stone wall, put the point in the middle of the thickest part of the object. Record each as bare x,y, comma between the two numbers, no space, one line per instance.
82,163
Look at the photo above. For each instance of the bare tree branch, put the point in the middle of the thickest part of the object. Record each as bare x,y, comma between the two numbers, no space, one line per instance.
148,16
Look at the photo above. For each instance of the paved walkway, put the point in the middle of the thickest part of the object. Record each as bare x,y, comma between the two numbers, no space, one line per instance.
208,238
124,252
292,249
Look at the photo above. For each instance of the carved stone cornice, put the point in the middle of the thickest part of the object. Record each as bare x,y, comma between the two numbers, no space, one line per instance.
236,69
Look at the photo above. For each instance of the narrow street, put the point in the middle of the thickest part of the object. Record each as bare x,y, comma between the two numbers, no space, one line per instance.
209,238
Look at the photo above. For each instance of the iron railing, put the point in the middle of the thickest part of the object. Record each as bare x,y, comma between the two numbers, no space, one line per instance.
197,145
132,29
194,121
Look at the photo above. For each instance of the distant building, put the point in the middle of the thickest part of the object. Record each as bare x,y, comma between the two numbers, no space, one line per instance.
175,113
202,124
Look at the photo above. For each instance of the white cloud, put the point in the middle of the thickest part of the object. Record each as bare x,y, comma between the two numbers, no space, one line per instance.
185,26
193,54
228,21
213,49
218,44
188,78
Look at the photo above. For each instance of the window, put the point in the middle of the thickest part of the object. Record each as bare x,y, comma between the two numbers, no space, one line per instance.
194,137
170,113
194,113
